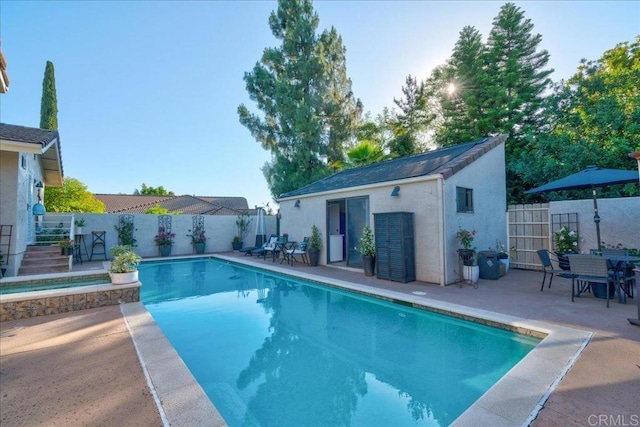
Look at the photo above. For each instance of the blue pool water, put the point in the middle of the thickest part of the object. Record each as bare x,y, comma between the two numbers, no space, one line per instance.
273,351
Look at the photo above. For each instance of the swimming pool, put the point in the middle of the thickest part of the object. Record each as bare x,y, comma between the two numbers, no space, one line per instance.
272,350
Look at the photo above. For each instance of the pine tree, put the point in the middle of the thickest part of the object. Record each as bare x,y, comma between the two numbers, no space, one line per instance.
49,102
304,95
463,102
411,121
516,86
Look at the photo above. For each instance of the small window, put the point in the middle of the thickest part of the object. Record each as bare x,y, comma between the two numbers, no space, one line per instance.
464,199
23,161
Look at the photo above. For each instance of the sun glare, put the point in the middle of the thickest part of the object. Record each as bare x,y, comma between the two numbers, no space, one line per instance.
451,88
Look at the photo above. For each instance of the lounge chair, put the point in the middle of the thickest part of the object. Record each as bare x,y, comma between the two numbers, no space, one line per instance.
268,247
260,240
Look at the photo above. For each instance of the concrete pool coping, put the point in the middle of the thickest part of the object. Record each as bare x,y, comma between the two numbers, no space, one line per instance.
526,386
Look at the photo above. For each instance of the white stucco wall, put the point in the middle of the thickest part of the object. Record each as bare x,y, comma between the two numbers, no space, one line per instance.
619,220
219,230
487,177
17,196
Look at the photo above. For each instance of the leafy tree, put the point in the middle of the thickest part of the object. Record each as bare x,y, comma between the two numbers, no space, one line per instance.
307,106
157,210
593,118
151,191
49,101
73,196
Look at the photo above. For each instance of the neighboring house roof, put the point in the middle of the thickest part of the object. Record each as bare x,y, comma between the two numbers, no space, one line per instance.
4,78
192,205
446,161
44,142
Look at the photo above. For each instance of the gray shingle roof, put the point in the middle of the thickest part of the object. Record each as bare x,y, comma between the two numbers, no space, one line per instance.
446,161
16,133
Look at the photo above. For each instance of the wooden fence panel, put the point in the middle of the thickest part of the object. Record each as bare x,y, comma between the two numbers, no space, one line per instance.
529,230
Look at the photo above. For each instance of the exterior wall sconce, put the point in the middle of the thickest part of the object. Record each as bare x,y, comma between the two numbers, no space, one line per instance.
396,191
296,204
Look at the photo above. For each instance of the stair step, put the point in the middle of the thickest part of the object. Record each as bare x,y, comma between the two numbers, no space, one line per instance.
43,248
42,259
28,271
57,260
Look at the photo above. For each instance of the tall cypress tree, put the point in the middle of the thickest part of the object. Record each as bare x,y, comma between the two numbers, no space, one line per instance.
305,98
49,101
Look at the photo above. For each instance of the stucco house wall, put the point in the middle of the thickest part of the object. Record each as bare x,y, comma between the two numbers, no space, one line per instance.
432,198
17,196
487,178
418,196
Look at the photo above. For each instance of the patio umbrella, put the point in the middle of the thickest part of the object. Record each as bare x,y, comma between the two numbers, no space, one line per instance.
261,228
591,177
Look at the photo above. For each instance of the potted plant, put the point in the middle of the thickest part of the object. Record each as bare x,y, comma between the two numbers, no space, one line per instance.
465,238
79,223
503,255
198,239
242,224
164,241
285,237
367,249
315,243
123,268
566,241
66,246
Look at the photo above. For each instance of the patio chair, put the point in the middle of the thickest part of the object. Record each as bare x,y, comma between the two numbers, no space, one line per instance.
298,250
260,240
588,270
545,259
623,271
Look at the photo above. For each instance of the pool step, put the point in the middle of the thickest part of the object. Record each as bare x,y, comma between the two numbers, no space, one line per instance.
43,260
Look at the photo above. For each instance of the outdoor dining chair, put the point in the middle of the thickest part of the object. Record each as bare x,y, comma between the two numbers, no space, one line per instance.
587,270
545,259
298,249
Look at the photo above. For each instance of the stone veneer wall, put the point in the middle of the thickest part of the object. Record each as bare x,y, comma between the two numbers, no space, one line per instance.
41,303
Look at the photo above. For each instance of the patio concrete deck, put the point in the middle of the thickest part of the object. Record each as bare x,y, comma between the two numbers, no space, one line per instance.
51,365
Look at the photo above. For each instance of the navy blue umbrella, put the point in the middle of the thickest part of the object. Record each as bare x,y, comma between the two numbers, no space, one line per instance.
591,177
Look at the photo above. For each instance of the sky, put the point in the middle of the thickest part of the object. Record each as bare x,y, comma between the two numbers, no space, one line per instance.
148,91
